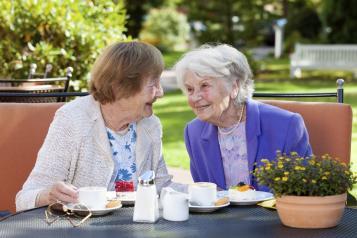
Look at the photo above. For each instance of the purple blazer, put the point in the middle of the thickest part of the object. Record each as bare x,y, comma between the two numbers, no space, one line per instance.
268,129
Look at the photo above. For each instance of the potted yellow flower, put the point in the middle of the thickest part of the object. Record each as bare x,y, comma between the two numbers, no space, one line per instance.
310,192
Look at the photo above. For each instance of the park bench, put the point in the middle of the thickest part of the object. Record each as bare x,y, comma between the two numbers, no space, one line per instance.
327,57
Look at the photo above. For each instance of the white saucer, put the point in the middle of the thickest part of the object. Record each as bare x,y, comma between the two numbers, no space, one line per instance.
126,198
206,208
260,196
96,212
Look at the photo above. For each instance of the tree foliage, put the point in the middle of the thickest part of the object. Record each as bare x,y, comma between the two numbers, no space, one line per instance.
340,19
137,11
303,19
63,33
228,21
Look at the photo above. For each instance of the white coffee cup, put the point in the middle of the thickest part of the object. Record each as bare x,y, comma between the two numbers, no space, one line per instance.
95,198
203,193
174,205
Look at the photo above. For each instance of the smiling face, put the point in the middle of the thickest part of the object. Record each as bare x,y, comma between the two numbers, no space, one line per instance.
208,97
141,103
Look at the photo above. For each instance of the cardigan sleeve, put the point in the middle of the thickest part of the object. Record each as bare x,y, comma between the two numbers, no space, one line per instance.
53,161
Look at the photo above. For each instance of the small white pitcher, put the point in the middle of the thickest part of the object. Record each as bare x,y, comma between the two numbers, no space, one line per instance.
174,204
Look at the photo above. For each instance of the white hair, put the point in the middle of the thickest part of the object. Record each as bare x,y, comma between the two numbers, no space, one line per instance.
219,62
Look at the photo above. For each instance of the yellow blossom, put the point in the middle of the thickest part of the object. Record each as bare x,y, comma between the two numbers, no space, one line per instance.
265,161
277,179
285,178
324,178
313,181
286,173
304,180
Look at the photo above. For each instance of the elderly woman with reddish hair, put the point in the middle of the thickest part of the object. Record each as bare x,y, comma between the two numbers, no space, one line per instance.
232,132
109,136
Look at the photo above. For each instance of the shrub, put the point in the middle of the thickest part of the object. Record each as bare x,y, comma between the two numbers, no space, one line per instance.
63,33
167,29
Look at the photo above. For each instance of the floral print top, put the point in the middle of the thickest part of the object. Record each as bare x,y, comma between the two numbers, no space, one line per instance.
234,155
123,151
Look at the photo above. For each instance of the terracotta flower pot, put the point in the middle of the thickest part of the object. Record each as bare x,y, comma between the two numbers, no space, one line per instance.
311,212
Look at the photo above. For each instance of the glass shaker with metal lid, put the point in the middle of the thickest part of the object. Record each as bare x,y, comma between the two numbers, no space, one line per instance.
146,207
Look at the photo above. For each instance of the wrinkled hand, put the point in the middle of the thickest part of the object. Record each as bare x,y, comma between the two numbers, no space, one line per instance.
60,191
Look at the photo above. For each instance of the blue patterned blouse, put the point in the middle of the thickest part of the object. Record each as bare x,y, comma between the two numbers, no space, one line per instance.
123,151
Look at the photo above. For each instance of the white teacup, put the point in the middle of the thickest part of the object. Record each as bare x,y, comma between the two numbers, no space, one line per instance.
95,198
203,193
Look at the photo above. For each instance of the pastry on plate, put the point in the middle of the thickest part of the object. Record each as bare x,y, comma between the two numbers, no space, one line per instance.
113,203
241,192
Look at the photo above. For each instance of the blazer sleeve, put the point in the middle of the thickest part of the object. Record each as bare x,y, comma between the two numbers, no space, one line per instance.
193,168
297,138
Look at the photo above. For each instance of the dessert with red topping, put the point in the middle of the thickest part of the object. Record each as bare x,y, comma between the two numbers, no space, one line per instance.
124,186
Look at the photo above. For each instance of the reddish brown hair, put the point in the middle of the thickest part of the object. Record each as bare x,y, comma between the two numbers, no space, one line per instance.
121,69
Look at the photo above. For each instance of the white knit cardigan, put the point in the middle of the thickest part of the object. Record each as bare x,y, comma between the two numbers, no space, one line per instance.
76,150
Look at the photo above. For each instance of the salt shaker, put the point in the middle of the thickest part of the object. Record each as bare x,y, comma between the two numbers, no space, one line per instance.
146,207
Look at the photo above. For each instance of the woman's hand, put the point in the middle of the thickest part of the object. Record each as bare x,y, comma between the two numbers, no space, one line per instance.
60,191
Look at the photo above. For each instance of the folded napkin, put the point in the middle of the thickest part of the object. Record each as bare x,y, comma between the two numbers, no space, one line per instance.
268,204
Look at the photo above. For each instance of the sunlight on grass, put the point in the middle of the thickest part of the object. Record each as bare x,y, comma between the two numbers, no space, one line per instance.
171,58
174,113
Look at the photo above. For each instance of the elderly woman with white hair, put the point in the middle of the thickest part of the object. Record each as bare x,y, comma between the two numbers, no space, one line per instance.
232,132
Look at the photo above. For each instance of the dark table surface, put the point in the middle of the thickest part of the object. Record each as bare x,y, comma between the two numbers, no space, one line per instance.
233,221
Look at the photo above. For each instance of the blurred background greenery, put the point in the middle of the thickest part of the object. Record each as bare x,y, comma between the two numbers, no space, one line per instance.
73,32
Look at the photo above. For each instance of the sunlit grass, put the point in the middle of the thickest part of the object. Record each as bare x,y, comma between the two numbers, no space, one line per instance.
174,113
171,58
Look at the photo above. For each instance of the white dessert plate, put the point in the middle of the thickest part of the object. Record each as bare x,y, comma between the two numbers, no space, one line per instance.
260,196
126,198
207,209
97,212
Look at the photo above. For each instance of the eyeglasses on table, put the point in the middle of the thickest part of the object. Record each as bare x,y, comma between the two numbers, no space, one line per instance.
58,210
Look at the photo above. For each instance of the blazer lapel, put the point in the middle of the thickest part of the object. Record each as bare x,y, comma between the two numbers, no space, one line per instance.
252,131
212,154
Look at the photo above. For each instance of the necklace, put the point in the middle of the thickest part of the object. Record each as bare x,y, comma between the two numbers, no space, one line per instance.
227,132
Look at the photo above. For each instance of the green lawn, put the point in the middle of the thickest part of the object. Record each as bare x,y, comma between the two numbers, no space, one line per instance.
273,77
